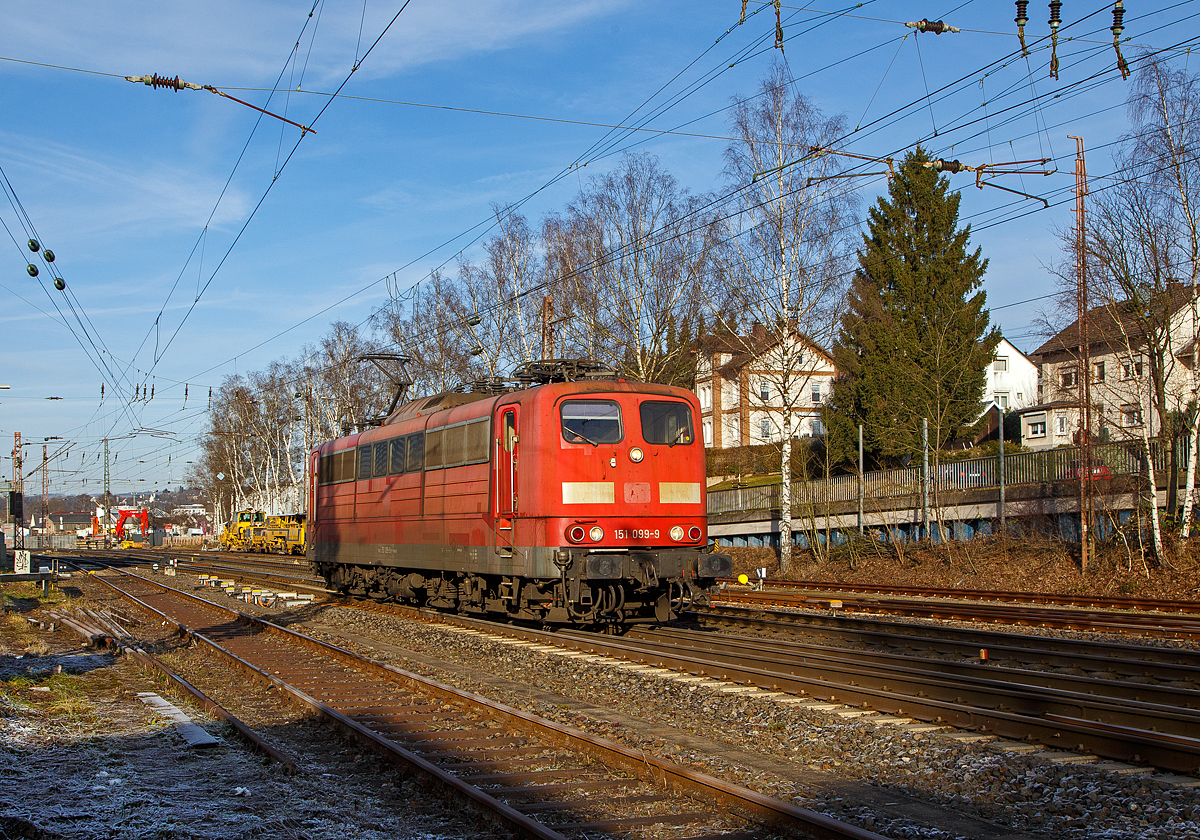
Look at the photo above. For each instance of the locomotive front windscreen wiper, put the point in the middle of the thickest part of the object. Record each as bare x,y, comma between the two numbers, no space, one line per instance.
666,423
584,438
591,421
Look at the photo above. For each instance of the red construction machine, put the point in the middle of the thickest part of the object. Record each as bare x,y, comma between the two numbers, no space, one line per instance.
142,516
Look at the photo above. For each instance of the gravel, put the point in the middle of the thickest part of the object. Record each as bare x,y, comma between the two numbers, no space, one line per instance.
810,757
1020,791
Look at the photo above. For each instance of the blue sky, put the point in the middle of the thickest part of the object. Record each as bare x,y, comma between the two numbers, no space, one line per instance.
121,180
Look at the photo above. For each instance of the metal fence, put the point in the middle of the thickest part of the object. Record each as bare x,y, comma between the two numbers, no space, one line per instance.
50,542
1107,460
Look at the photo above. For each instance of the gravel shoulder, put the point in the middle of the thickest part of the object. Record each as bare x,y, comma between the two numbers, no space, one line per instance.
896,782
83,757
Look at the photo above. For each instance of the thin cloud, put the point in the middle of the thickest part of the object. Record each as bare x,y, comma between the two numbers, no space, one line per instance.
240,43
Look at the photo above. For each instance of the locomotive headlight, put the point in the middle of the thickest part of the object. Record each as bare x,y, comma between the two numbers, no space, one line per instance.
597,533
576,533
677,533
694,533
636,455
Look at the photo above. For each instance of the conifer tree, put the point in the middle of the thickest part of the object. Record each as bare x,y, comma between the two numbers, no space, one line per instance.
914,341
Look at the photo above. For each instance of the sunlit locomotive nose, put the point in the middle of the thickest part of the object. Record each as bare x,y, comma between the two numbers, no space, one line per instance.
570,497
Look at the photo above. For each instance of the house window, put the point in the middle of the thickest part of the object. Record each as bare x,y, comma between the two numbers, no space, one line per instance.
708,433
1066,377
1060,425
735,431
765,428
1001,364
1020,396
818,428
764,390
1132,369
1038,429
1098,367
1131,415
705,396
1001,400
816,393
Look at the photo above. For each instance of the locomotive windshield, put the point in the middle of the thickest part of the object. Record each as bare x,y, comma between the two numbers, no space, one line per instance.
666,422
591,421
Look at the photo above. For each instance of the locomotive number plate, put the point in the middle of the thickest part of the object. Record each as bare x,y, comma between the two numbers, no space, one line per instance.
636,534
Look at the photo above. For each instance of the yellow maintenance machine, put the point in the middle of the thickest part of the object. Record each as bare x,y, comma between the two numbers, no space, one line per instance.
253,530
279,535
237,534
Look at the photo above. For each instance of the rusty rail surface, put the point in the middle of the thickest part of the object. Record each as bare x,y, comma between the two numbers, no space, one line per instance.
1040,598
1156,728
537,777
1104,621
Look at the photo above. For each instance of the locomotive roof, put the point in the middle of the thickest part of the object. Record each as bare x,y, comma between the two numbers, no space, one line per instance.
451,399
428,405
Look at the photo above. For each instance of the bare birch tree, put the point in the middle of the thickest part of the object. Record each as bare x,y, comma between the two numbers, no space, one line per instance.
500,292
429,329
1131,260
786,252
639,251
1159,157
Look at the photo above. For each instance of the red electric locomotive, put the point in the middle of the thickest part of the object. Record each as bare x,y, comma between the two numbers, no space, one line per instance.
577,502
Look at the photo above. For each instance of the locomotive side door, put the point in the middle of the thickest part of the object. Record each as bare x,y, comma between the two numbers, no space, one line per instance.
507,445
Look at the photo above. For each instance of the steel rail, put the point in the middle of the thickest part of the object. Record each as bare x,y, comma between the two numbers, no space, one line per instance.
983,670
943,701
877,691
1098,621
875,688
242,571
832,588
741,801
1122,659
126,645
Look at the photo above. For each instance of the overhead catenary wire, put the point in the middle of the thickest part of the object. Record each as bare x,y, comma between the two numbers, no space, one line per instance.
260,344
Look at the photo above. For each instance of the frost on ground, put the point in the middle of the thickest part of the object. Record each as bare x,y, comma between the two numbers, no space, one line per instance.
81,757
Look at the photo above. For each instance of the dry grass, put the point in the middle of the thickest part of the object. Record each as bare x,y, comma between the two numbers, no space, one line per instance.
37,648
1027,564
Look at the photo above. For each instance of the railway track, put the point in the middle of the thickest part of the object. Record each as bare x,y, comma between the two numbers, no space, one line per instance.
830,589
1128,702
1095,620
1167,619
536,777
1011,703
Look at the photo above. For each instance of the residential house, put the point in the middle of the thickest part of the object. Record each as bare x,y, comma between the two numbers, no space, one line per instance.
746,383
1012,379
1121,363
741,382
78,523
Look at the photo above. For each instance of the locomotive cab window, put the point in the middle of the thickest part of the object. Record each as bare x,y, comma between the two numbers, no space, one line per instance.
591,421
416,452
668,423
364,462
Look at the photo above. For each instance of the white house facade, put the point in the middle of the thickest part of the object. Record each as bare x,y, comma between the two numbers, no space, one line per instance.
1120,370
751,387
1012,379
